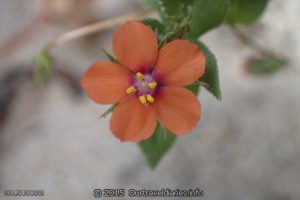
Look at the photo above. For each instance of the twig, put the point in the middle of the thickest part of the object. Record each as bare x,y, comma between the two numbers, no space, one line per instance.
94,28
253,44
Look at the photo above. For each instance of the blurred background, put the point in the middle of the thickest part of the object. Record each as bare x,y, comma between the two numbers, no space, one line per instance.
246,147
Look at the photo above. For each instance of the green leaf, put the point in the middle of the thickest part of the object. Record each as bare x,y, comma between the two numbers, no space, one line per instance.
194,88
110,56
211,75
158,145
44,67
173,12
206,15
264,66
174,7
245,11
109,110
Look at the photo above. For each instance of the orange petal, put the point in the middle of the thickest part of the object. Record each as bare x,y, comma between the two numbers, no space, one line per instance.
106,82
178,109
180,63
135,45
132,121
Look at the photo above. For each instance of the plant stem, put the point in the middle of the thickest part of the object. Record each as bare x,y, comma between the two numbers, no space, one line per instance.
178,31
93,28
253,44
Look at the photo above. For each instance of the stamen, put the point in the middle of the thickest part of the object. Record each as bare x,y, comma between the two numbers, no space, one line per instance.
143,99
130,90
152,85
140,76
150,98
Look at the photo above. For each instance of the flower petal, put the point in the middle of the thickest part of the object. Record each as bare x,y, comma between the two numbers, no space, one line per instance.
178,109
180,63
135,45
106,82
132,121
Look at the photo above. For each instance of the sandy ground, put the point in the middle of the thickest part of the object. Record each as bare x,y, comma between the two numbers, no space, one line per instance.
246,147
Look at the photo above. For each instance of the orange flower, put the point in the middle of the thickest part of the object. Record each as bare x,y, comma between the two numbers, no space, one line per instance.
148,84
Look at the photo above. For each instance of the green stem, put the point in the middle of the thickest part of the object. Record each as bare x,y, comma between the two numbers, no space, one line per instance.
254,45
178,32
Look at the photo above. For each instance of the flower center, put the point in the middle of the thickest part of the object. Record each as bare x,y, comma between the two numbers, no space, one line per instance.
143,86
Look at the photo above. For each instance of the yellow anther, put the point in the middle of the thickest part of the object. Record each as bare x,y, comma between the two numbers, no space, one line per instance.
140,76
152,85
150,98
143,99
130,90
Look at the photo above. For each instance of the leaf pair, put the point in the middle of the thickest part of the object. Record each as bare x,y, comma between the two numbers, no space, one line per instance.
208,14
